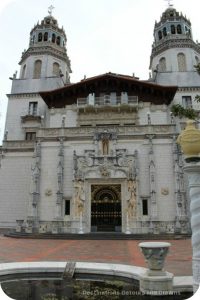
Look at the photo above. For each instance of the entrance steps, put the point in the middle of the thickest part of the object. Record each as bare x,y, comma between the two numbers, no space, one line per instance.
97,236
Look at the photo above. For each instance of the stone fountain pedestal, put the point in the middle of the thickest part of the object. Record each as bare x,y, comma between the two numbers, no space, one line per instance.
156,280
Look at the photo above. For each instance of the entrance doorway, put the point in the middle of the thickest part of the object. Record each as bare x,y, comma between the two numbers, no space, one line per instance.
106,208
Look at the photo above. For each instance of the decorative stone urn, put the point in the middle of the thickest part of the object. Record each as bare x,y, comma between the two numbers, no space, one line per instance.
189,139
155,279
155,253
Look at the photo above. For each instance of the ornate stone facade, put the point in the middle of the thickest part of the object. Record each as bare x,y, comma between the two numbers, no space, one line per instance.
97,155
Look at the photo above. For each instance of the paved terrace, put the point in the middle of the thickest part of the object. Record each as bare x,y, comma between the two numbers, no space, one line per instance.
179,259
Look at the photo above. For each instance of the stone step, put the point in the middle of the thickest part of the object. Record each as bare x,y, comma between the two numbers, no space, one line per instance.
98,236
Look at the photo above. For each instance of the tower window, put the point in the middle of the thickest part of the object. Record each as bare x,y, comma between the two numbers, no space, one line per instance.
145,207
196,59
30,136
40,37
162,64
187,101
173,29
160,35
164,31
56,69
179,29
32,108
67,207
37,69
53,38
181,62
23,72
46,36
58,40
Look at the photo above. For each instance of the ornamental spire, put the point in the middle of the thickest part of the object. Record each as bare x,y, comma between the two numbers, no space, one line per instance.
50,9
169,3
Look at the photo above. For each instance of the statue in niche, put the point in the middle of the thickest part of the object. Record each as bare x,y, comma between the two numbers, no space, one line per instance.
105,146
131,209
79,203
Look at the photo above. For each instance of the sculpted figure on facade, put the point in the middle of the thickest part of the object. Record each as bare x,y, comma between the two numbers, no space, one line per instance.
105,146
78,197
131,206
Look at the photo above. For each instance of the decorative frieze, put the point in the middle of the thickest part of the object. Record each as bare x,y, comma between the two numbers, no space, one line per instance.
89,132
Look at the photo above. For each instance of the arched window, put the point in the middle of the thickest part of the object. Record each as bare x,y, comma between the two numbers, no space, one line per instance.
160,35
179,29
164,31
181,62
53,38
58,40
23,72
196,59
173,30
40,37
46,36
56,69
37,69
162,64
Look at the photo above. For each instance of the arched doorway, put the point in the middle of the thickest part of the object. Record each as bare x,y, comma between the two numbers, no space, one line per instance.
106,207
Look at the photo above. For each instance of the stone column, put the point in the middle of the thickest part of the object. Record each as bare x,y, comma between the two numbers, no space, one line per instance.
189,139
193,172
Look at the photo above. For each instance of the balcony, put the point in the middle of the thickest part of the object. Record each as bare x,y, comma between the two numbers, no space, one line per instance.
31,117
107,103
108,100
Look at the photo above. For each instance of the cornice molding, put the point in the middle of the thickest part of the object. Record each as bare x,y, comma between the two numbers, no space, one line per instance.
23,95
183,43
47,50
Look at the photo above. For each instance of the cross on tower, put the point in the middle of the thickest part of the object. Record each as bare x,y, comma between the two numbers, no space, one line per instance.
169,2
50,9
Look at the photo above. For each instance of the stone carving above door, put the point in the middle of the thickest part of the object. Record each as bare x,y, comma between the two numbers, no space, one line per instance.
119,164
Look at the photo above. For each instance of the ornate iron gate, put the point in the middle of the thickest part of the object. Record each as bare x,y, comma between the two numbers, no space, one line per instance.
106,208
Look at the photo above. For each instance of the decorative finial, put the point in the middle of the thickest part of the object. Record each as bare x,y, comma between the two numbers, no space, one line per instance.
169,3
50,9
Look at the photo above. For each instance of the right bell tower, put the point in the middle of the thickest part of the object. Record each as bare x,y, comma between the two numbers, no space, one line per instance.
174,52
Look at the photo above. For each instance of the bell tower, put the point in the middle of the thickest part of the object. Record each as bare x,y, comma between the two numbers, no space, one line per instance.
174,52
45,58
44,66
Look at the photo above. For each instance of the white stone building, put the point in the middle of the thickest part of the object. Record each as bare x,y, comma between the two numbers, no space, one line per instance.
100,154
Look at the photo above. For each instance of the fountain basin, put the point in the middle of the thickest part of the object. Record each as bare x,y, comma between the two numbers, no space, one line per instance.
87,270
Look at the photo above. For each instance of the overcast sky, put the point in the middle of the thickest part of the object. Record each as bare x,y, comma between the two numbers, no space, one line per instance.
102,35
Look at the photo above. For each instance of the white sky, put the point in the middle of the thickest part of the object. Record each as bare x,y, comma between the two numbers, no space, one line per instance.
103,35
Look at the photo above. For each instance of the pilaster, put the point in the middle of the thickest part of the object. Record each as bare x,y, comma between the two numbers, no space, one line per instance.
180,197
35,193
60,178
152,183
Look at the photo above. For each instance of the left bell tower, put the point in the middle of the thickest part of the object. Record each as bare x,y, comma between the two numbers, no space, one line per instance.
45,58
44,66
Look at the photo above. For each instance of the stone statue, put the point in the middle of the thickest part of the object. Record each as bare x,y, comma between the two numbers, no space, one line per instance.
79,203
131,209
105,146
